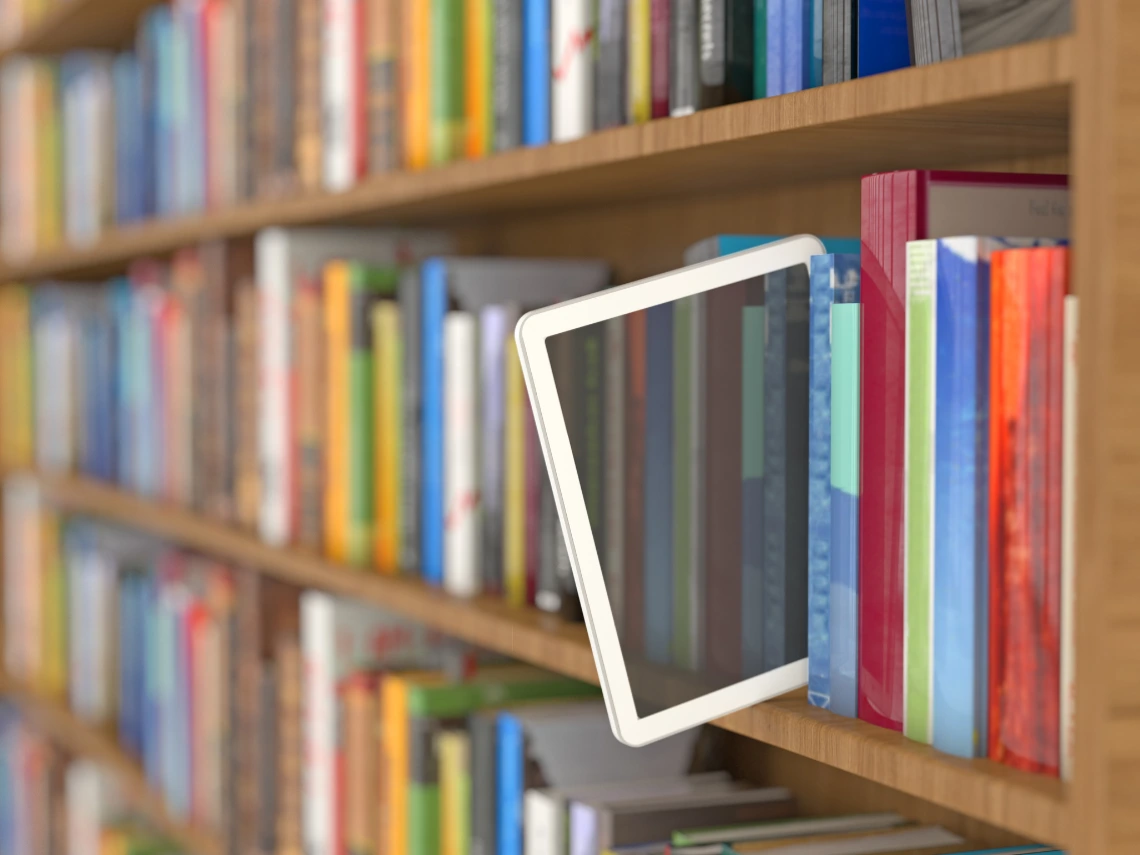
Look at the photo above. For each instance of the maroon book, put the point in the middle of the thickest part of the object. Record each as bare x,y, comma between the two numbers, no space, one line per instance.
659,57
633,641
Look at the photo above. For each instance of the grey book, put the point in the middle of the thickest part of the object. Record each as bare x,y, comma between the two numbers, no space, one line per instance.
989,24
628,823
410,399
267,761
609,74
711,35
684,74
482,727
838,37
506,84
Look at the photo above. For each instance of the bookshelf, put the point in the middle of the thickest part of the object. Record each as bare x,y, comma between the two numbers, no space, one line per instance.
1029,805
83,740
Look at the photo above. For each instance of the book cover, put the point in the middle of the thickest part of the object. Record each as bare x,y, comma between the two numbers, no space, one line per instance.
898,207
658,489
572,74
843,624
507,74
462,571
610,72
1027,294
387,348
446,64
882,38
684,58
535,72
383,97
415,82
478,93
639,78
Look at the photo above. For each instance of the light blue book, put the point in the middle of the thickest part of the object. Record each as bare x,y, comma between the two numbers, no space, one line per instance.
160,32
658,568
797,31
843,553
775,37
960,640
536,72
119,297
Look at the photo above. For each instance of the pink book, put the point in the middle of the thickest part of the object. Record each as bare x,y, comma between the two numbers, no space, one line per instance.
898,207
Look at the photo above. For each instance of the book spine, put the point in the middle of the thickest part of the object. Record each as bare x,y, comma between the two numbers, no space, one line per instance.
493,335
774,34
387,355
510,785
960,486
454,749
308,328
484,796
446,134
536,72
819,484
590,374
415,82
411,411
753,347
434,308
684,71
307,116
814,58
1069,537
383,96
396,761
514,482
711,29
919,501
639,106
337,435
423,787
462,572
547,594
479,56
698,428
683,495
361,460
658,485
760,47
610,70
275,422
633,591
319,655
795,23
659,31
507,81
614,415
883,42
572,75
738,53
533,474
843,626
337,93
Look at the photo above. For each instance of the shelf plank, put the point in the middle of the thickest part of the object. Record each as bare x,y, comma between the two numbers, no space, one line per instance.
81,739
1005,104
74,24
1026,804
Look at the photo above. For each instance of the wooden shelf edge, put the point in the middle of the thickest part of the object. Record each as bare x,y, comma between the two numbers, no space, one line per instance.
1011,101
1025,804
81,739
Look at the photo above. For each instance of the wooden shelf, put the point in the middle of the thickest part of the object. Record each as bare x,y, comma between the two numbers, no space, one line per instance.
81,739
1026,804
1006,104
75,24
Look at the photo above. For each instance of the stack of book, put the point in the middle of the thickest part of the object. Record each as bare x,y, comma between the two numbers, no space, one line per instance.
224,101
49,804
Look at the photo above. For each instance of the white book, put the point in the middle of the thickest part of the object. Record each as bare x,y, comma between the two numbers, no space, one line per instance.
92,588
572,69
282,258
462,570
1069,534
339,61
53,345
90,803
318,783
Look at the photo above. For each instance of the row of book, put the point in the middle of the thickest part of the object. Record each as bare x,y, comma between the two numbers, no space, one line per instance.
290,720
225,100
50,805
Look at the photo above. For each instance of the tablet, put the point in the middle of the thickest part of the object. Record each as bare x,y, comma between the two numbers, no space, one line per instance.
672,414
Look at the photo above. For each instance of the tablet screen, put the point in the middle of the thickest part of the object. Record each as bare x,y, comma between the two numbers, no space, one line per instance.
688,423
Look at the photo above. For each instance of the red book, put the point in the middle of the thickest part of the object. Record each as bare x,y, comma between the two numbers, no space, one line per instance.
633,595
659,57
898,207
1027,354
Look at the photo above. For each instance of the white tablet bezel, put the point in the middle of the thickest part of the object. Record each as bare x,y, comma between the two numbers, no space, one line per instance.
531,333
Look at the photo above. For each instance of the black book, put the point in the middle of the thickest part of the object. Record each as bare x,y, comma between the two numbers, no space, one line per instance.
726,36
610,71
506,88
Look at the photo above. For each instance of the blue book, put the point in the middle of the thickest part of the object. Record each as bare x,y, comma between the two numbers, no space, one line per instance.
843,552
159,96
721,245
752,479
147,44
775,36
153,760
882,36
194,138
433,307
125,74
814,72
120,298
510,785
797,30
658,492
536,72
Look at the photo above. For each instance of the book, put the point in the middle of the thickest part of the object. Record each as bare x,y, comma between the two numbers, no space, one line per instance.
388,358
469,284
785,828
415,83
930,205
614,414
658,489
478,93
1027,291
495,325
454,750
611,68
633,563
536,65
726,33
482,728
462,572
309,36
446,71
910,840
572,71
882,42
507,74
383,59
639,62
684,62
1069,535
659,57
684,403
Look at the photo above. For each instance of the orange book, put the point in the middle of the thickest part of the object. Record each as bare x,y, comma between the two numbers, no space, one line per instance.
415,26
395,760
15,378
479,56
337,343
388,378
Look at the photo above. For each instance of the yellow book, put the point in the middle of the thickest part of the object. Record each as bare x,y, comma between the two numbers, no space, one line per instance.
15,378
454,750
387,348
396,757
337,283
479,50
54,674
640,56
415,23
514,481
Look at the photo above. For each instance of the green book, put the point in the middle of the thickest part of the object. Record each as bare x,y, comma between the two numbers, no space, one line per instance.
683,508
438,704
447,74
759,48
366,285
918,513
